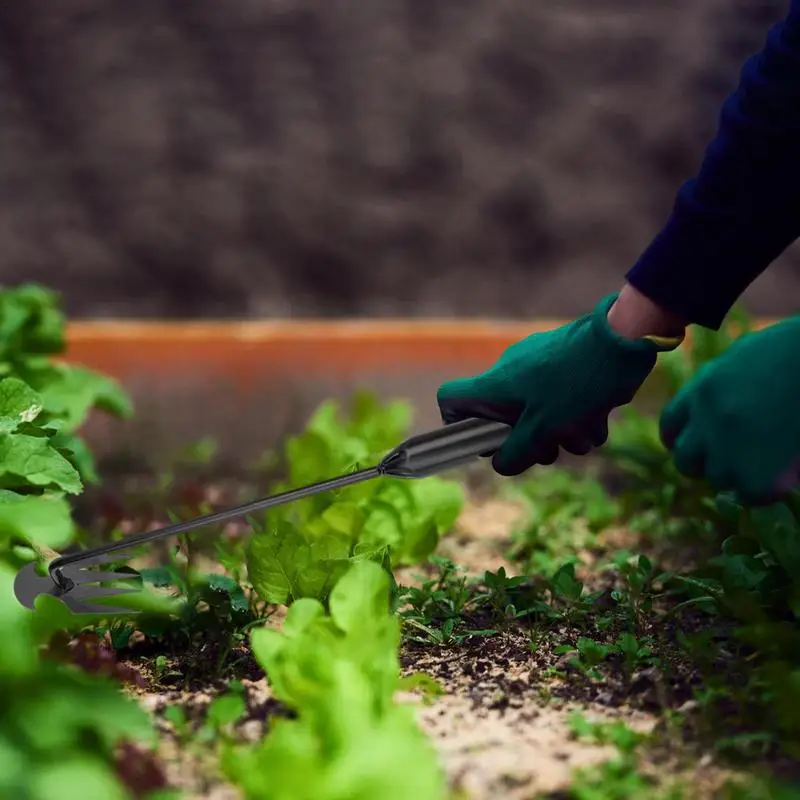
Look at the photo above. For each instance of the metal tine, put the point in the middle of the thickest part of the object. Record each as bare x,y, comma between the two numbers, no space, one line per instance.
105,558
90,576
96,609
83,571
84,592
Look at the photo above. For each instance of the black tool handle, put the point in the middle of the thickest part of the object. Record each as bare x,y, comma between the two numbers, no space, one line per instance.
444,448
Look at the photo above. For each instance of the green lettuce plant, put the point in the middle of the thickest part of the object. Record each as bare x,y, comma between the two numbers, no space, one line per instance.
338,671
32,336
303,548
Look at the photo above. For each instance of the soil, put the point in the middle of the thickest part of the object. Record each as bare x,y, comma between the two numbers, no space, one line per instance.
502,725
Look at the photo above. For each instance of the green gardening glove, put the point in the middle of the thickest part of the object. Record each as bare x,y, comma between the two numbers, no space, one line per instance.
556,389
737,422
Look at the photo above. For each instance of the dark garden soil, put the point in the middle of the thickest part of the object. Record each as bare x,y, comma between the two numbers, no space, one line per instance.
502,722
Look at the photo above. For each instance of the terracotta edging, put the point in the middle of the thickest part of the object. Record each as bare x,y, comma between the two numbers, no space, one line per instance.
293,348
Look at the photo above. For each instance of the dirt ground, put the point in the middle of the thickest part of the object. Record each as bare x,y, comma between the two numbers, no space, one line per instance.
502,725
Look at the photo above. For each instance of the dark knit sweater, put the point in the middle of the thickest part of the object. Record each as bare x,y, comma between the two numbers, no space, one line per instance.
742,210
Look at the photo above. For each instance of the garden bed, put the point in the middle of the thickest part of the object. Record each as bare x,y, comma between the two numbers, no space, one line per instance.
506,718
610,632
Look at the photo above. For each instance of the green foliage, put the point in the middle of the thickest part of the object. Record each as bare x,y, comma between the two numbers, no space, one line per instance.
32,332
338,671
34,475
56,722
563,513
304,548
656,495
679,366
619,778
438,611
59,726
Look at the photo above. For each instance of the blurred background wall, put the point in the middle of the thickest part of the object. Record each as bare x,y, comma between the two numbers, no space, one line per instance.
356,157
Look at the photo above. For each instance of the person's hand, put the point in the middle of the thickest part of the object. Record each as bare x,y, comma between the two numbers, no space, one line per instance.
557,388
737,422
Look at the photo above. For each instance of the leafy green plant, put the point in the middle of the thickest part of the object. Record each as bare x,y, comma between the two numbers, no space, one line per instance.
656,496
569,602
634,652
438,606
589,655
305,547
35,477
338,671
563,513
619,778
211,606
638,575
445,608
59,726
62,723
32,333
507,597
679,366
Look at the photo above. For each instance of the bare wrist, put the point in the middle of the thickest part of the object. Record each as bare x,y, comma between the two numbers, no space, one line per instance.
633,316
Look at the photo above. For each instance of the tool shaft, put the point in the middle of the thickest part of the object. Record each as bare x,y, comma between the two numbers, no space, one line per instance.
210,519
418,456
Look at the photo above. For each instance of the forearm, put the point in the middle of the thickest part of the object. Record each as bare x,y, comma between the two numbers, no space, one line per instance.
742,210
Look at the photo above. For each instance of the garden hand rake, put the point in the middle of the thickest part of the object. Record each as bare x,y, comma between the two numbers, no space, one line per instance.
72,579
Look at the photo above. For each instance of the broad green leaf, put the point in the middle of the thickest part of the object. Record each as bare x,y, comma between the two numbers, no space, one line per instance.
383,526
226,709
274,561
344,518
283,565
442,499
18,655
309,458
226,585
742,572
73,391
779,533
18,403
565,584
75,450
31,460
76,778
43,520
81,702
393,761
302,614
419,542
361,597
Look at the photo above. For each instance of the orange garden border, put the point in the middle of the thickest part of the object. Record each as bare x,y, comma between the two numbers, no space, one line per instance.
293,348
248,384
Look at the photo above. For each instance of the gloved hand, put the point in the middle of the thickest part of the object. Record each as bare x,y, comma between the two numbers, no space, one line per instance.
556,388
737,422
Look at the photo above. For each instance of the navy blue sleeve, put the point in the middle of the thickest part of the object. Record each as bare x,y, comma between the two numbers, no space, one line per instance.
742,210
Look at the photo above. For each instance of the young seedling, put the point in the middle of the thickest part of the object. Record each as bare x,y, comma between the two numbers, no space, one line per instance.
563,513
440,608
636,595
634,653
509,598
222,713
570,603
590,655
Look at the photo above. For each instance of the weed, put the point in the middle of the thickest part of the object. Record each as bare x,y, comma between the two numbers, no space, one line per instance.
564,512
